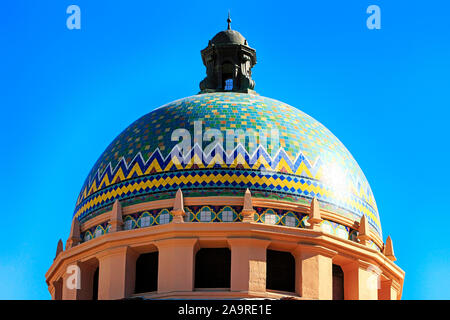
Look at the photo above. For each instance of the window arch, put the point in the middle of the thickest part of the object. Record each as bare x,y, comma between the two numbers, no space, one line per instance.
147,272
145,220
129,223
87,236
164,217
227,76
228,84
290,219
205,214
270,217
227,214
213,268
280,271
98,232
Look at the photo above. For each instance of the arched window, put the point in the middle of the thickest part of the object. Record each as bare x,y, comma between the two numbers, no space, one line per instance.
290,219
280,271
147,272
270,217
145,220
206,215
338,283
95,285
87,236
213,268
227,214
129,223
229,84
164,217
98,232
227,76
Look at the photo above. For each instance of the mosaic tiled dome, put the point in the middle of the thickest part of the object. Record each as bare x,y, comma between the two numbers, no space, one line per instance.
143,164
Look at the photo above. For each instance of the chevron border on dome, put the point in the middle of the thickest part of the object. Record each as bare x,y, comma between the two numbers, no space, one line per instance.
239,169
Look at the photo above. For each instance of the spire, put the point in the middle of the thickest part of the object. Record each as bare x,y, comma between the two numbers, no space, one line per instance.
248,200
363,230
248,212
229,21
389,249
59,248
74,237
115,219
178,207
314,215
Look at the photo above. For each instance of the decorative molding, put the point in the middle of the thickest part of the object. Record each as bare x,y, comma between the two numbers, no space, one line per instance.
230,201
217,171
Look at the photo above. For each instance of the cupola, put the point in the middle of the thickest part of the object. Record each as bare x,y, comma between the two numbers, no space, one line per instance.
228,60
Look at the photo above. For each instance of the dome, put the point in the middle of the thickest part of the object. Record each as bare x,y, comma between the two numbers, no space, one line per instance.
298,159
183,201
228,37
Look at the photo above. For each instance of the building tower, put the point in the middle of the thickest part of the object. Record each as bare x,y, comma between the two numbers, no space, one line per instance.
228,60
226,194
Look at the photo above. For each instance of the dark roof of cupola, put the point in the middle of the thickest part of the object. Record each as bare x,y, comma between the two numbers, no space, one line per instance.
228,37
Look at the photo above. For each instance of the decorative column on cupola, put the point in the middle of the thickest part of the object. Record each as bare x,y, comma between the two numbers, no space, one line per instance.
228,60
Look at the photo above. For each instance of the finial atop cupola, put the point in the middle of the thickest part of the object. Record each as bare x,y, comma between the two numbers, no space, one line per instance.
229,20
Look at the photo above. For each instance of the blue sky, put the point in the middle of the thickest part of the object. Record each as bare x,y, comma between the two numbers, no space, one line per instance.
65,94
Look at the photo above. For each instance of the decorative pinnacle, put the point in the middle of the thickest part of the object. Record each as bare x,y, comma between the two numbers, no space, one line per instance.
229,20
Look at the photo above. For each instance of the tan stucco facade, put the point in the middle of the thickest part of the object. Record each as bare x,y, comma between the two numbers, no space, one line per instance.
368,273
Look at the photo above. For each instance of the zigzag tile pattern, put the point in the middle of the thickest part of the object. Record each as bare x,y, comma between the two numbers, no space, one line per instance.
307,161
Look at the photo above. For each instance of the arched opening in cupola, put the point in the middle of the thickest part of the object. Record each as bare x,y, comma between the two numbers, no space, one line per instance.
227,76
